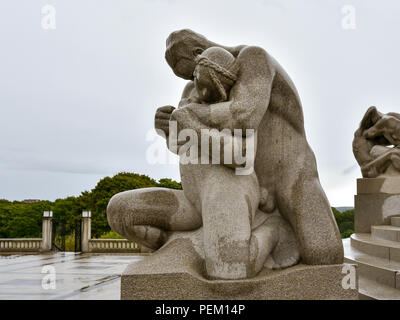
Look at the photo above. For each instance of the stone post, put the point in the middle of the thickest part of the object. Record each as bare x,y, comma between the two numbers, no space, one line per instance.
377,200
86,230
47,229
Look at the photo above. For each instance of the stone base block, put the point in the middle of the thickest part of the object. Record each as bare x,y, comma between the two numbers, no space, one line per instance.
177,272
374,209
384,185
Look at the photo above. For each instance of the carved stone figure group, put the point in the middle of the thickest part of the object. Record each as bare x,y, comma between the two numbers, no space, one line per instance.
275,215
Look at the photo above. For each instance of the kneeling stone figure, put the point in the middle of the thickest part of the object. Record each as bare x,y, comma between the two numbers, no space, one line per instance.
238,224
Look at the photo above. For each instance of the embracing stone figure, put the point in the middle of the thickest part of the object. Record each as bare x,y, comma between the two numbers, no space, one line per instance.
376,144
237,223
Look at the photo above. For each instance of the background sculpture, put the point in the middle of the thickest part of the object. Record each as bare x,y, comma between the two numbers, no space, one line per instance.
376,144
267,217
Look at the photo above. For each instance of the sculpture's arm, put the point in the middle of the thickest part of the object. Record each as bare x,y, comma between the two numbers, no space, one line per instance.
362,148
394,114
249,98
380,164
388,126
377,130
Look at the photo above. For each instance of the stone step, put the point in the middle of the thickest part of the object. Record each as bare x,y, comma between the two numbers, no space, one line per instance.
385,249
386,232
373,269
395,221
377,274
371,290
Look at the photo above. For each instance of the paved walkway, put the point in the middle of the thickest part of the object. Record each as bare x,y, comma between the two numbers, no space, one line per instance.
77,276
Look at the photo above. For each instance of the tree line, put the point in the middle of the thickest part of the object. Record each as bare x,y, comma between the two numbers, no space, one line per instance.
24,220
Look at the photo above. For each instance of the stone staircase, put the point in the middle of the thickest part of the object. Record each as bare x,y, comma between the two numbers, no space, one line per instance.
377,255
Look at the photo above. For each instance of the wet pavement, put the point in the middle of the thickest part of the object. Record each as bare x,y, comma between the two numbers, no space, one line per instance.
62,276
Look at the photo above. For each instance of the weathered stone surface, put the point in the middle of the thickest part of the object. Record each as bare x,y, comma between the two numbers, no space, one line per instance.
177,271
374,209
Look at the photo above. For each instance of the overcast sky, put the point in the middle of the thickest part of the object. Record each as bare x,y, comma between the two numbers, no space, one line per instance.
77,102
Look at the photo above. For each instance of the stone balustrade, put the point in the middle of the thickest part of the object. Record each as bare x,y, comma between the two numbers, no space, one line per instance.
20,245
45,244
112,245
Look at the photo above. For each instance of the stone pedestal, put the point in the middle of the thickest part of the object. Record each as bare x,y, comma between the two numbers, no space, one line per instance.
377,200
177,272
375,246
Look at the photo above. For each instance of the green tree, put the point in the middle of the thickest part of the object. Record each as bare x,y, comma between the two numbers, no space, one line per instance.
345,222
97,199
19,219
168,183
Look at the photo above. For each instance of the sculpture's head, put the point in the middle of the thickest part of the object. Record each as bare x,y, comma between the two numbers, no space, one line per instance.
215,73
370,119
183,47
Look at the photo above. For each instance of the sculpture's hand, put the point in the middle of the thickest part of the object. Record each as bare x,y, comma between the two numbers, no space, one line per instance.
187,101
388,127
162,117
188,119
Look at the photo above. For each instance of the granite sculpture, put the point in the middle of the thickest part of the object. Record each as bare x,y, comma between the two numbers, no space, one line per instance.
273,214
376,147
375,246
376,144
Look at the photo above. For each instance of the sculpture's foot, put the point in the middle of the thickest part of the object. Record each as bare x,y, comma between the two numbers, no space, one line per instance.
149,236
286,257
282,263
286,253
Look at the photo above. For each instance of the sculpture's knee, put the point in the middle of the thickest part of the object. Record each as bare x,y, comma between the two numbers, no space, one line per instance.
122,213
307,209
139,215
321,244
